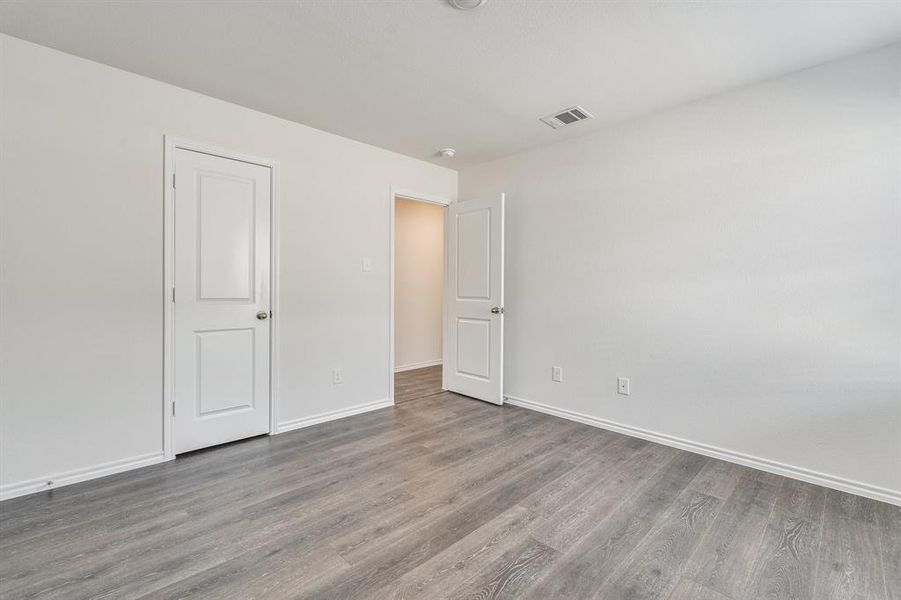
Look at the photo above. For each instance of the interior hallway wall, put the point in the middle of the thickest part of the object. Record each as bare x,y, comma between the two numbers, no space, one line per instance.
418,283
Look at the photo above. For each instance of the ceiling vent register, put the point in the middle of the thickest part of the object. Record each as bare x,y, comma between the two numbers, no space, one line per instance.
567,117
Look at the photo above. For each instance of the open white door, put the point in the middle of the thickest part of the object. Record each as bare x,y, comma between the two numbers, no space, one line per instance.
474,341
222,299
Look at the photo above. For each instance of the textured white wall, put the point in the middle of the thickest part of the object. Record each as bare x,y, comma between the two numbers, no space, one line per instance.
82,246
739,258
418,282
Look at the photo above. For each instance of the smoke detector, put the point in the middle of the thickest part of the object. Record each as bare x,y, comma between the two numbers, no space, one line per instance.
466,4
567,116
447,153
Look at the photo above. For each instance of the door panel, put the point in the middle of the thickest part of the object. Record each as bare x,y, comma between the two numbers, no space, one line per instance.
474,255
222,258
474,346
225,230
224,371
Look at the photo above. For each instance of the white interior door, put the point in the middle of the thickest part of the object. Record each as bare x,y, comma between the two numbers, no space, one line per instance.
474,344
222,299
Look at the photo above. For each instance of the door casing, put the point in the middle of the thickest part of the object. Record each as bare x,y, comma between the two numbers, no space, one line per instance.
171,143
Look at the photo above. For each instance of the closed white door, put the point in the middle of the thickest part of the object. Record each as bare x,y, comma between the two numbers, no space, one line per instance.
474,345
222,299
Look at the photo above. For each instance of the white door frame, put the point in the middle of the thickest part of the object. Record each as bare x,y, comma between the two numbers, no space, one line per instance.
428,199
171,144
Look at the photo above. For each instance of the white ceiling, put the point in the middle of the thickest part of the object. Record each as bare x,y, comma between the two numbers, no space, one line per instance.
417,75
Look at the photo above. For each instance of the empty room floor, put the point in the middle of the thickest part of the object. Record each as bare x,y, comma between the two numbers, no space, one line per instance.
448,497
416,384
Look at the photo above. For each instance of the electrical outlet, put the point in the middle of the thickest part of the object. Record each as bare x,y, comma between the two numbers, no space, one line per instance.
622,386
366,264
557,374
337,376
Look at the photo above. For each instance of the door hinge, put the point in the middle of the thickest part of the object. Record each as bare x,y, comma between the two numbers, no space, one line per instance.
173,294
173,181
173,408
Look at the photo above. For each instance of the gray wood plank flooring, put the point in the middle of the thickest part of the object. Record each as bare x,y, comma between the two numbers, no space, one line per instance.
416,384
447,497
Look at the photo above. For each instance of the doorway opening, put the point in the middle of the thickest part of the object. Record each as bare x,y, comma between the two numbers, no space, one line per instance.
418,267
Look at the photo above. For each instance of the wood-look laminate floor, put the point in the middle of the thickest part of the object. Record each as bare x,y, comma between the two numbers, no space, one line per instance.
416,384
446,497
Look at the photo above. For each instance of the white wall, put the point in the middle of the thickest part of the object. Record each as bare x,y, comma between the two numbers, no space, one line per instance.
418,283
738,258
82,271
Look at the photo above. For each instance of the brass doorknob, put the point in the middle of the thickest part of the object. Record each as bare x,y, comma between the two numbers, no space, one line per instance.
262,315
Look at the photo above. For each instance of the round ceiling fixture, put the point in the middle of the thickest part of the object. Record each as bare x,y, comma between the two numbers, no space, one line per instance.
466,4
447,153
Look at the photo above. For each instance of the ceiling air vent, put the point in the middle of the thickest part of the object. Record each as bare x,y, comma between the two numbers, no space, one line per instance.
567,117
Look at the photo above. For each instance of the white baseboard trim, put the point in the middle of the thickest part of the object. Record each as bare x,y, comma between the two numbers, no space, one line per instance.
57,480
823,479
332,415
51,482
419,365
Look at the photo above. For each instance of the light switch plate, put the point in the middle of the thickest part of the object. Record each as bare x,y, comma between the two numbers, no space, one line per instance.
557,374
622,386
366,265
